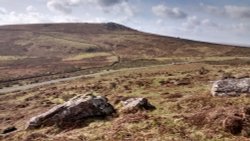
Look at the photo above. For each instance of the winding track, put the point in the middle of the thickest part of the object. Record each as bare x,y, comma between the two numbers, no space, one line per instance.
30,86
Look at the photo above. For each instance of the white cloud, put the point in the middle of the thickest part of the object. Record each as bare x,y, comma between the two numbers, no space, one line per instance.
209,23
33,16
212,9
30,8
118,8
192,22
195,23
237,11
66,6
14,18
242,28
164,11
240,12
122,11
61,6
122,8
3,10
107,3
159,22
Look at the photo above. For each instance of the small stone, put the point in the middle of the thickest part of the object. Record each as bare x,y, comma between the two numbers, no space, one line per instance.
246,110
226,75
184,81
133,105
233,124
203,71
9,129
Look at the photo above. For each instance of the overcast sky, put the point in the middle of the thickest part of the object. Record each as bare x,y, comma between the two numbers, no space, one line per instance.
224,21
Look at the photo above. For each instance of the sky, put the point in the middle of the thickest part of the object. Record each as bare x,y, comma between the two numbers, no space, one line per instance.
221,21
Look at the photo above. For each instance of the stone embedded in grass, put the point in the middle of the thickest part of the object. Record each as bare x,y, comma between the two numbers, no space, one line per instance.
202,71
233,124
9,129
132,105
113,85
234,120
231,87
226,75
75,110
183,81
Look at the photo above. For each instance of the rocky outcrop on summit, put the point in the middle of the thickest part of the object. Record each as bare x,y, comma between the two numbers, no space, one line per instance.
76,109
231,87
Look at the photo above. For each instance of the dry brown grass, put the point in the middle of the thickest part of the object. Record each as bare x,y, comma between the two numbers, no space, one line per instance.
183,112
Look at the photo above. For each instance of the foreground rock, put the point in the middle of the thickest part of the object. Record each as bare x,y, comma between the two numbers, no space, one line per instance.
76,109
133,105
231,87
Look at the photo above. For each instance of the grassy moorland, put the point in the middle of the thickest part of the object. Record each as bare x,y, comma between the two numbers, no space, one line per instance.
185,110
175,75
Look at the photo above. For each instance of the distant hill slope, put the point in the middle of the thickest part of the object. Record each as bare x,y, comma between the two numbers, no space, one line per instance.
55,40
48,48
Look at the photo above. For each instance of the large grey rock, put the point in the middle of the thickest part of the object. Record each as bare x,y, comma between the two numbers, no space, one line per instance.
132,105
231,87
78,108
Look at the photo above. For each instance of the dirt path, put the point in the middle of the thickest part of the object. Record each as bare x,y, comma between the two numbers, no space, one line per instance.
30,86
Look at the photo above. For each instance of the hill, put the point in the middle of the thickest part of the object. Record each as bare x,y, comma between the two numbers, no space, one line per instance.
28,51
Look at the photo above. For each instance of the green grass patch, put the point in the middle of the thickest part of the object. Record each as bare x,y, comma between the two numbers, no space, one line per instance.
86,56
11,58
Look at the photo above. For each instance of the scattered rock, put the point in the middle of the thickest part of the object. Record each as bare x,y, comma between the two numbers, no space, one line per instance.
231,87
118,99
22,105
226,75
203,71
9,129
76,109
246,110
36,137
235,120
127,88
176,95
184,81
163,82
133,105
113,85
233,124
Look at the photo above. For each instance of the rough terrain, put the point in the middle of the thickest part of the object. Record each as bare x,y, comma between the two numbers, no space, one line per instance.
175,75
